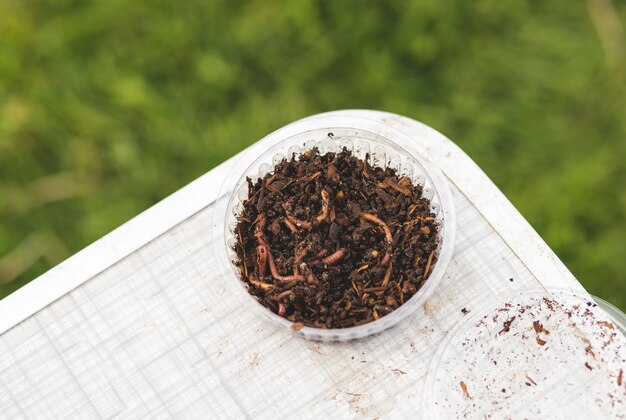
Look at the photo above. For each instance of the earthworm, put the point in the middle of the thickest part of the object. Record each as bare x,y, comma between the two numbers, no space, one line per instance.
261,259
383,225
292,219
325,204
298,258
300,255
320,218
282,309
310,279
323,252
260,284
298,222
260,236
387,256
291,226
334,257
388,236
276,274
284,294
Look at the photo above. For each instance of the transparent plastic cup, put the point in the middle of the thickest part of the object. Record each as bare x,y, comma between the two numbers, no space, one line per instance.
332,134
537,353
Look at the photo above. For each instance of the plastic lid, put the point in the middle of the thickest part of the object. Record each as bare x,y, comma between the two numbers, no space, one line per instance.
548,354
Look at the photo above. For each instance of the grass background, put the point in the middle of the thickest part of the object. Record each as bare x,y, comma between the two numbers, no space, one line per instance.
106,107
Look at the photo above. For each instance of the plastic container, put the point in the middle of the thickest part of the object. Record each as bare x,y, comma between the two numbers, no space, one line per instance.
331,134
536,354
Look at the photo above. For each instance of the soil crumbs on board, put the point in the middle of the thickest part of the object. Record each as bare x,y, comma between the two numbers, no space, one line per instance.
329,241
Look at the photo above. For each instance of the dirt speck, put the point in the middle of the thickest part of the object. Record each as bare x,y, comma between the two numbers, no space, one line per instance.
506,325
464,389
607,324
316,349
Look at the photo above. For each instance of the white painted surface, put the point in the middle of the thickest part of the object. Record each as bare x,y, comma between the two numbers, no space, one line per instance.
142,323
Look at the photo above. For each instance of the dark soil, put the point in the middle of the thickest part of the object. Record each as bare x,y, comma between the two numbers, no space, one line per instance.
331,242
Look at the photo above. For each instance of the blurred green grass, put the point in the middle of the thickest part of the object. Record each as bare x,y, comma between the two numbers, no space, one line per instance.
108,107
